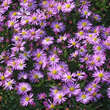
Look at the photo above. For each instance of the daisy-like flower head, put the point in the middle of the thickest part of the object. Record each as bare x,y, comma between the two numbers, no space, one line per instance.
26,99
23,88
47,41
35,76
68,7
73,89
84,24
68,77
53,59
99,75
20,64
9,84
57,26
54,72
83,97
81,75
59,97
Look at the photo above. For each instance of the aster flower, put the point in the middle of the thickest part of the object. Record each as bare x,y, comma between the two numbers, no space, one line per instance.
72,43
81,75
68,6
35,76
20,64
47,41
57,26
83,97
97,17
9,84
99,75
84,24
26,99
99,59
54,72
53,91
73,89
23,88
85,12
53,59
68,77
59,97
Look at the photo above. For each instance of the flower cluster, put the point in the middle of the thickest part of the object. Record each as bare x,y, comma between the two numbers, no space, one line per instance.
41,48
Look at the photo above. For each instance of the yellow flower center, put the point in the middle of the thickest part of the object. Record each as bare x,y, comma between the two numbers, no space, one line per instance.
68,5
54,72
12,23
71,88
14,14
60,96
85,12
9,83
69,77
52,106
23,89
34,18
98,58
2,78
83,96
44,2
81,33
100,75
40,62
98,48
52,59
84,24
73,43
36,76
55,91
57,26
27,98
38,55
47,39
79,74
89,89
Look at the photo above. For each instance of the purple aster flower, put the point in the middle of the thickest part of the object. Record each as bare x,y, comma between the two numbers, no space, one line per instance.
23,88
26,99
54,72
97,17
84,24
99,59
57,26
85,12
73,89
9,84
47,41
83,97
53,59
68,7
53,91
68,77
59,97
81,75
99,75
35,76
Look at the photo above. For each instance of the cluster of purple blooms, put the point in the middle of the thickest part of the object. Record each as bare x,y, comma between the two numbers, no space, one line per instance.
29,24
